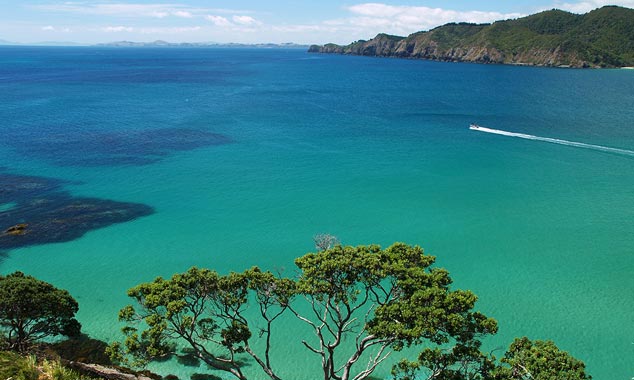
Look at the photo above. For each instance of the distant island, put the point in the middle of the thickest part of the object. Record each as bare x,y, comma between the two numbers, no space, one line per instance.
160,43
601,38
40,43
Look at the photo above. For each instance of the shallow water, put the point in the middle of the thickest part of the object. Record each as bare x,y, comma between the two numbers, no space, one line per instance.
371,150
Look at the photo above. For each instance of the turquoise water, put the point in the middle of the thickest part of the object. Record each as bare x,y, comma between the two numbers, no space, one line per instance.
371,150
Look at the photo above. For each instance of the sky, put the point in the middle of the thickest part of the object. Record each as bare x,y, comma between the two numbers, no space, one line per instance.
254,21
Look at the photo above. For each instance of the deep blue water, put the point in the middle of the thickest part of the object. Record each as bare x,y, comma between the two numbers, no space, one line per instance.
228,158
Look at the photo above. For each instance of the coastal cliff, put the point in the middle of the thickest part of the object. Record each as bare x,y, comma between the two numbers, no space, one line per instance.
601,38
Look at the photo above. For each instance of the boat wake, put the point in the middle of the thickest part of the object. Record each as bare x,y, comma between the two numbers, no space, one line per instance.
601,148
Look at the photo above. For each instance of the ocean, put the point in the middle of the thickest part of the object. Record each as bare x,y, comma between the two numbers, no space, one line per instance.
229,158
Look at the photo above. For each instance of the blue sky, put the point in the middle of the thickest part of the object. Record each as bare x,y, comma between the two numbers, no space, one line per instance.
252,21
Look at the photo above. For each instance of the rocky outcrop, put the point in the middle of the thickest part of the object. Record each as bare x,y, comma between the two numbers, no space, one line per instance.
551,38
18,229
430,50
96,370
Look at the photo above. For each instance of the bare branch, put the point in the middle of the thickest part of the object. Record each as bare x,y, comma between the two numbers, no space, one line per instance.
324,242
319,352
374,362
267,369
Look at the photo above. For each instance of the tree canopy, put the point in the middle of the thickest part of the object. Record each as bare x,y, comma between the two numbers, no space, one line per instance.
206,312
358,303
539,360
384,299
31,310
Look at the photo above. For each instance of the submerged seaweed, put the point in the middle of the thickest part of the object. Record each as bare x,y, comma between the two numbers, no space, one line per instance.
81,147
42,212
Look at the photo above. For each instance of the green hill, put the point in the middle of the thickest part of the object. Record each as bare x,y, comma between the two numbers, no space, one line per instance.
601,38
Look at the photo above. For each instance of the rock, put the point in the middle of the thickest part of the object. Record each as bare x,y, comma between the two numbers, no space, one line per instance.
18,229
105,372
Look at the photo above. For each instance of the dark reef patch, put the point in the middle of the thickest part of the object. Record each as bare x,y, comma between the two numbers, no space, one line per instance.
45,213
68,146
14,187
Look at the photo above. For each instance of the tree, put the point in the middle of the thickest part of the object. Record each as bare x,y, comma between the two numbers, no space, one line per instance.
206,312
324,242
524,360
384,300
31,310
539,360
362,304
460,362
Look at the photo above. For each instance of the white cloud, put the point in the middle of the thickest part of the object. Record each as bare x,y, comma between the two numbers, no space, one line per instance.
376,9
588,5
183,14
243,24
409,19
117,29
297,28
50,28
245,20
129,10
170,30
158,14
218,20
365,20
113,9
358,20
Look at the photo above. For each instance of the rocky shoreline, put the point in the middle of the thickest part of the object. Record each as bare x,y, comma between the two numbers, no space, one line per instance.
553,38
428,50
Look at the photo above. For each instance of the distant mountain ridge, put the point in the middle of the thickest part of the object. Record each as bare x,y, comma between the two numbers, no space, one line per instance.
603,37
160,43
41,43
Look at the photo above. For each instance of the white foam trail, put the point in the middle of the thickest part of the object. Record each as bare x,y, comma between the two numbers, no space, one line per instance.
553,141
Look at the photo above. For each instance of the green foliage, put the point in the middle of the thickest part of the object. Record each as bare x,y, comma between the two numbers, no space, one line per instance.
336,272
426,310
54,370
601,38
452,35
390,37
550,22
385,299
378,301
205,311
539,360
524,360
31,310
460,362
16,367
